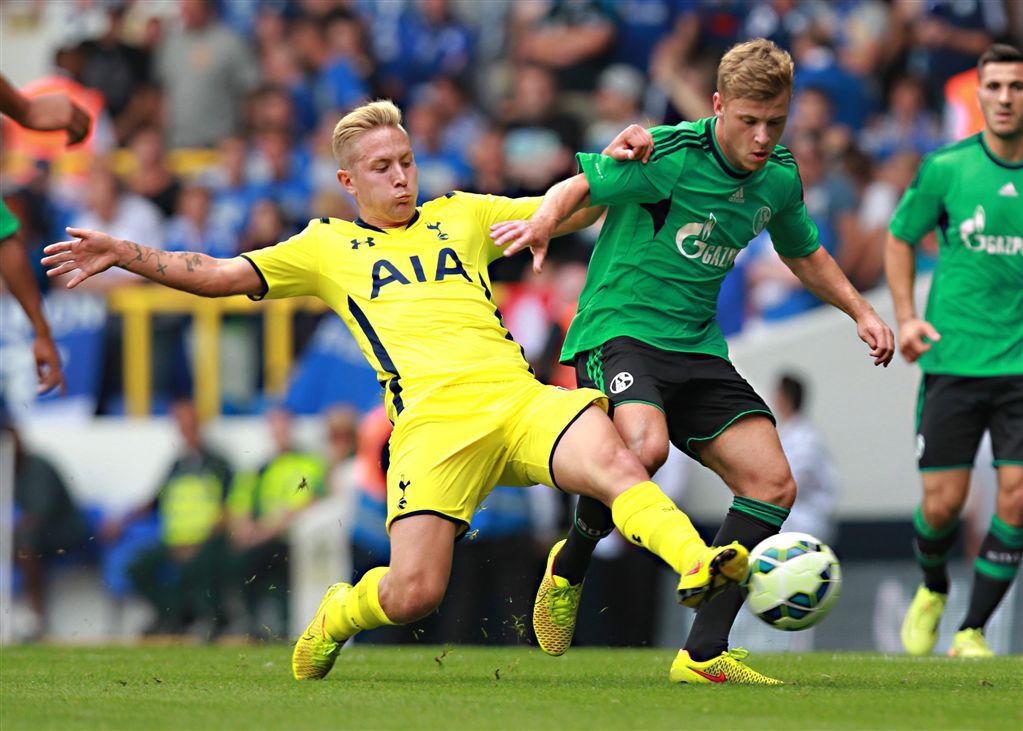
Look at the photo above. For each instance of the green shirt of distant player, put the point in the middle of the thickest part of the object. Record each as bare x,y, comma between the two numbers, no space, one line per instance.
975,201
674,227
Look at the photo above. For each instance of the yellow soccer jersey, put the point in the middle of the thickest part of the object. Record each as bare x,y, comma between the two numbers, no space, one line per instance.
417,298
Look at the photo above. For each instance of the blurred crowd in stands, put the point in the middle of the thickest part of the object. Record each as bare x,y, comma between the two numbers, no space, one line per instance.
212,133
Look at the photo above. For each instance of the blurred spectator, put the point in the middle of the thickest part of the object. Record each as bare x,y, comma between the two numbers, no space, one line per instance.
346,67
571,38
947,36
281,69
272,109
540,140
817,66
863,257
831,202
205,69
183,577
617,104
857,30
423,41
461,123
108,207
266,227
486,605
46,524
906,125
440,170
776,20
812,467
641,25
123,73
194,229
280,174
342,424
151,176
260,508
489,167
680,89
233,198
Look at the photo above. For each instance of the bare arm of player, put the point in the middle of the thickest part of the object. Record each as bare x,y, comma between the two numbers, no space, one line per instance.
92,252
900,269
820,274
561,201
45,112
16,272
560,211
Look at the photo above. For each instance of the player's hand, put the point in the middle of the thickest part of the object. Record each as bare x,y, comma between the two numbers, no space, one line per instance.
57,111
915,338
516,235
875,333
47,358
91,252
632,143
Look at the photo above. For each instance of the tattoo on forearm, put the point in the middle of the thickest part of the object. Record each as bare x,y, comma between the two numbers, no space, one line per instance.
143,254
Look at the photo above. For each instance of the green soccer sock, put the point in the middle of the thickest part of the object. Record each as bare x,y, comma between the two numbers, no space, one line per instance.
591,522
995,568
932,547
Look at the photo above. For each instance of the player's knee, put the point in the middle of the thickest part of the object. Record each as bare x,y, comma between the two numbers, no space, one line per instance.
778,488
414,598
652,453
939,511
622,466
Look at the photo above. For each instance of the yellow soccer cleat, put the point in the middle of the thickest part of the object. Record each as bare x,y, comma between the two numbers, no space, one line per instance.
920,627
716,568
555,609
316,651
970,643
728,667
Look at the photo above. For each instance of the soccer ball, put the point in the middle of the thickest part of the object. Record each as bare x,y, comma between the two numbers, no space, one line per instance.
794,581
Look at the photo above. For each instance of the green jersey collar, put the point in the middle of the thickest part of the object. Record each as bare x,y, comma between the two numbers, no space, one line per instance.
994,158
709,132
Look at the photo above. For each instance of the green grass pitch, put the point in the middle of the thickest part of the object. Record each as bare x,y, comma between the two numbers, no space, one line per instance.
423,687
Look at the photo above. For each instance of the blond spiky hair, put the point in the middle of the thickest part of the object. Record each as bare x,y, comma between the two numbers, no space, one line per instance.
381,113
756,69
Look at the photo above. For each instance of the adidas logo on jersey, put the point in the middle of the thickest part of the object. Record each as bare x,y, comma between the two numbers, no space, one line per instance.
737,197
1008,190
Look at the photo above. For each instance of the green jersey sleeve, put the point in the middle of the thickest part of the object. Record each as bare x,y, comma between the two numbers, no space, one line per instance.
919,211
614,182
793,232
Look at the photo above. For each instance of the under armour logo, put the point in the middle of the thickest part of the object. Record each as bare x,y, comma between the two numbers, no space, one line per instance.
368,242
436,227
403,485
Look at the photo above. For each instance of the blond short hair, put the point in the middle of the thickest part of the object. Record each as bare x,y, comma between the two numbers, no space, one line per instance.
359,121
756,70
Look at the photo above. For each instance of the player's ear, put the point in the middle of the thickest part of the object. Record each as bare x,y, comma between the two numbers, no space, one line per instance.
344,177
718,104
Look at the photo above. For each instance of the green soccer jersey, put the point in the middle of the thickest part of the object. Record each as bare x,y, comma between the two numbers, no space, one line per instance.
975,201
674,227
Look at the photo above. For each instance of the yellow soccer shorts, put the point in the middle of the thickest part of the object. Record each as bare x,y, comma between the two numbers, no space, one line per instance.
450,450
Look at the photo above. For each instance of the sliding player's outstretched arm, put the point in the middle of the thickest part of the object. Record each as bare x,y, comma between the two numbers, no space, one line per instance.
92,252
821,275
565,206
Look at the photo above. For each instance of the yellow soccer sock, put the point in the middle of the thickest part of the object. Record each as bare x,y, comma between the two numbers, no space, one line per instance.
648,518
357,609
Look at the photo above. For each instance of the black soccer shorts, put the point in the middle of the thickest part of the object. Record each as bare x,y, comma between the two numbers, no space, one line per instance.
953,412
701,395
